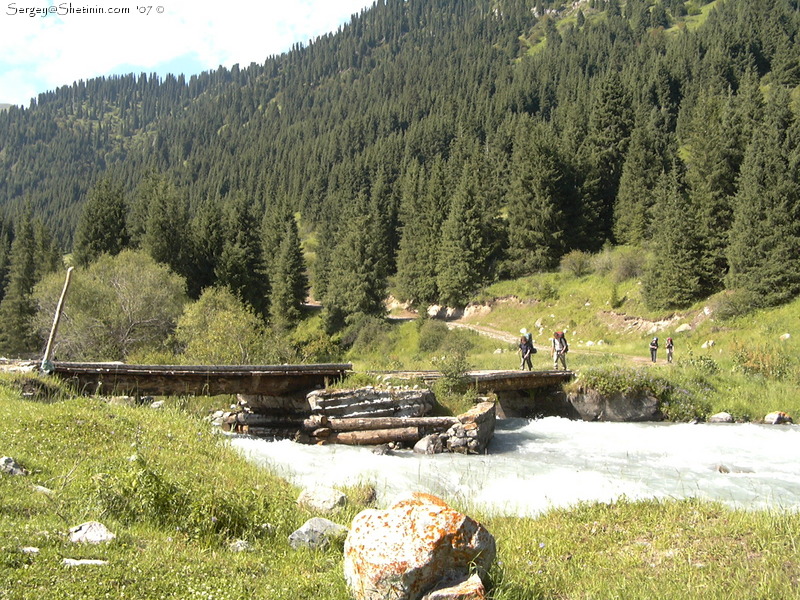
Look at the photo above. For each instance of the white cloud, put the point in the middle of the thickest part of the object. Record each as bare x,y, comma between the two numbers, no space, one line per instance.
41,53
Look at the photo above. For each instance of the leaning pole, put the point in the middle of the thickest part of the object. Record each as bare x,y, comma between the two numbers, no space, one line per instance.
47,366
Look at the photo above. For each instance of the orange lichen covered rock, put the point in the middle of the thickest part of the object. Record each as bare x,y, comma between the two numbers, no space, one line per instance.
406,551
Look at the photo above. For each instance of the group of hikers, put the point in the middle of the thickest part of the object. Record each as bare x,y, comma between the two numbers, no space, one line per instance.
559,348
670,346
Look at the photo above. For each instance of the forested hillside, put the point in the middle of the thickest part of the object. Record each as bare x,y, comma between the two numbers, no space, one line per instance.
434,146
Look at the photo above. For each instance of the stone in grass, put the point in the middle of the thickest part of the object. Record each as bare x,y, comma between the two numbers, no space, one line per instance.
321,499
317,533
90,532
9,466
81,562
416,546
471,588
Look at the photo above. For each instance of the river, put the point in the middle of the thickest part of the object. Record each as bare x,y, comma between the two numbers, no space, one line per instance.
535,465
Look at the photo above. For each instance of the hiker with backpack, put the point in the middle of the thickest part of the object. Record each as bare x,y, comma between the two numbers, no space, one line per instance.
526,349
653,349
560,348
670,347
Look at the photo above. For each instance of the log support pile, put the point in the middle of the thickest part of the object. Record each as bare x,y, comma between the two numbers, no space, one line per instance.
367,416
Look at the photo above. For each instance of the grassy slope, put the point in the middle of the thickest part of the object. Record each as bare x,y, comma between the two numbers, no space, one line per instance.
749,370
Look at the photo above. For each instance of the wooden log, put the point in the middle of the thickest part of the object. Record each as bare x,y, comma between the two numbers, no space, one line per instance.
268,432
262,420
372,423
376,436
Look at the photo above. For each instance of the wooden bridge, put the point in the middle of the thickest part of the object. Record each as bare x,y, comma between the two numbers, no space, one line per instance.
266,380
198,380
494,380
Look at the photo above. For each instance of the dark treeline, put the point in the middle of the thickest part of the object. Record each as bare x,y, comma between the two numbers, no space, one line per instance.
439,145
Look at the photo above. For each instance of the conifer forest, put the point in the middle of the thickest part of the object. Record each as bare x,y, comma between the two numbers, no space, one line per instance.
425,149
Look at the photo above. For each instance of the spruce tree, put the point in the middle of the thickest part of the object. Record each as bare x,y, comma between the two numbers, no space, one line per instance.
207,235
357,277
764,250
539,188
288,280
17,336
422,216
240,264
673,276
102,228
603,153
462,256
712,166
6,238
47,256
644,163
165,233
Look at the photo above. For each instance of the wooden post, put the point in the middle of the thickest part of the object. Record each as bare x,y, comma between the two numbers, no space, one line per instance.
47,367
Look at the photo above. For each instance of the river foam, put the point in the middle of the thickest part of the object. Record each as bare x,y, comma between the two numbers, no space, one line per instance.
536,465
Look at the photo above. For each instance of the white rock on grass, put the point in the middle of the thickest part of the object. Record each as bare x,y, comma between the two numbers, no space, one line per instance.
316,533
90,532
74,562
321,499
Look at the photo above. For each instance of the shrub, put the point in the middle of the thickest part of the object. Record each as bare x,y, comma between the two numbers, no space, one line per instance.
220,329
115,306
704,364
758,359
365,333
576,263
735,303
629,263
432,334
454,367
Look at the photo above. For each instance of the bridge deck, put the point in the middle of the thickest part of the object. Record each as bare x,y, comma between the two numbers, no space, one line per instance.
495,381
265,380
200,380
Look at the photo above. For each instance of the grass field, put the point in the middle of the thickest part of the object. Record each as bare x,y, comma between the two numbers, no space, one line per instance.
176,496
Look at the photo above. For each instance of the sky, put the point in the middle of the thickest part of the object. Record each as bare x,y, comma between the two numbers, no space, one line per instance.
45,44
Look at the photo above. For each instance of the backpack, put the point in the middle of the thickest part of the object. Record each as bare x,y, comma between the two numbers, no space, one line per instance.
559,335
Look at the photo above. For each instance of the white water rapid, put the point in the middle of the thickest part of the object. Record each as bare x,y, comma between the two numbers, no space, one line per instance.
536,465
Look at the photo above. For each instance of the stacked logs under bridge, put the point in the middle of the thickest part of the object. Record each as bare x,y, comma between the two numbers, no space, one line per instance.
366,416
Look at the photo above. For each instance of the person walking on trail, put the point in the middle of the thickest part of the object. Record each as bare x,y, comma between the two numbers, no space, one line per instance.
653,349
526,350
670,347
560,348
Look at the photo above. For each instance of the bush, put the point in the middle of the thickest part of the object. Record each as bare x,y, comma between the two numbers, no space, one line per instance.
704,364
761,360
432,334
732,304
220,329
629,263
115,306
365,333
454,367
576,263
